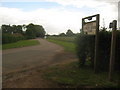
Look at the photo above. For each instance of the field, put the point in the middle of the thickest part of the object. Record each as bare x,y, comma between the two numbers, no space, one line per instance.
22,43
66,39
67,42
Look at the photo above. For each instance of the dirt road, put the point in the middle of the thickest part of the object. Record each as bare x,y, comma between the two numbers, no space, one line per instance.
22,66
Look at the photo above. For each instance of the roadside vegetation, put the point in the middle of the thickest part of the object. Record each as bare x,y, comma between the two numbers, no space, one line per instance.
65,40
68,46
81,73
70,75
20,44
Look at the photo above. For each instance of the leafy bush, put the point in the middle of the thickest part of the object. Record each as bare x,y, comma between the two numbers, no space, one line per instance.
10,38
86,47
117,50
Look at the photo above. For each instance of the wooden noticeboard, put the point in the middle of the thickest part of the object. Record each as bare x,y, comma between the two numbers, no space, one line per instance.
90,28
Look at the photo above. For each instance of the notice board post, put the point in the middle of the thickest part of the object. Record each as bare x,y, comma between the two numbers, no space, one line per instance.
92,28
96,44
112,54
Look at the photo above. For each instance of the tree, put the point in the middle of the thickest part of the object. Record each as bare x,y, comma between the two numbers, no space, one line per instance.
62,34
103,29
34,31
6,29
69,33
39,31
12,29
30,31
17,29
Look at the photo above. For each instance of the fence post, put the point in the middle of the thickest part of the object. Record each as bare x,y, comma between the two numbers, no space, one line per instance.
96,44
112,54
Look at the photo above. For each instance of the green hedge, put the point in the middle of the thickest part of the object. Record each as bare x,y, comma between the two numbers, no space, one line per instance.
86,47
9,38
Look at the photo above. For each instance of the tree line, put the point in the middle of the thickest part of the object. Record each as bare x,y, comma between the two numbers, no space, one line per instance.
68,33
13,33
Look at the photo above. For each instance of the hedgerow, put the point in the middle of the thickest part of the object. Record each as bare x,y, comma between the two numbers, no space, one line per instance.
10,38
86,50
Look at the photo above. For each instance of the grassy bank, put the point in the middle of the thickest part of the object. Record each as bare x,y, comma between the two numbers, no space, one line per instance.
68,46
70,75
19,44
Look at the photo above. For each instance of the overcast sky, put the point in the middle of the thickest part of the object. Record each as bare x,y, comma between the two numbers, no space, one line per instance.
56,16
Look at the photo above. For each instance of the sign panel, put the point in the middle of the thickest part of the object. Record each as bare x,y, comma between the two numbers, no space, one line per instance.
89,28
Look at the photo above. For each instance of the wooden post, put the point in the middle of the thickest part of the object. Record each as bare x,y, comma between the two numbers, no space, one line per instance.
82,25
112,54
96,38
96,44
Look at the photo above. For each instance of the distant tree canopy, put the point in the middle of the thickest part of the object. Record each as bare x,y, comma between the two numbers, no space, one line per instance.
33,31
69,33
12,29
13,33
17,29
30,31
62,34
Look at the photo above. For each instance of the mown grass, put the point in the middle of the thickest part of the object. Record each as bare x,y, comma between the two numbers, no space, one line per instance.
68,46
19,44
71,75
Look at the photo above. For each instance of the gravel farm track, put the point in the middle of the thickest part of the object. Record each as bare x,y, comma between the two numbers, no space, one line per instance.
23,67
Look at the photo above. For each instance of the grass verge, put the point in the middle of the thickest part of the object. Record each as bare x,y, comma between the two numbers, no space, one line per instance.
19,44
68,46
70,75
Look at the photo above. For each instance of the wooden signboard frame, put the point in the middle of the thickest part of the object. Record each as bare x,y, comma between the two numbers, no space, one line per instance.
96,36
